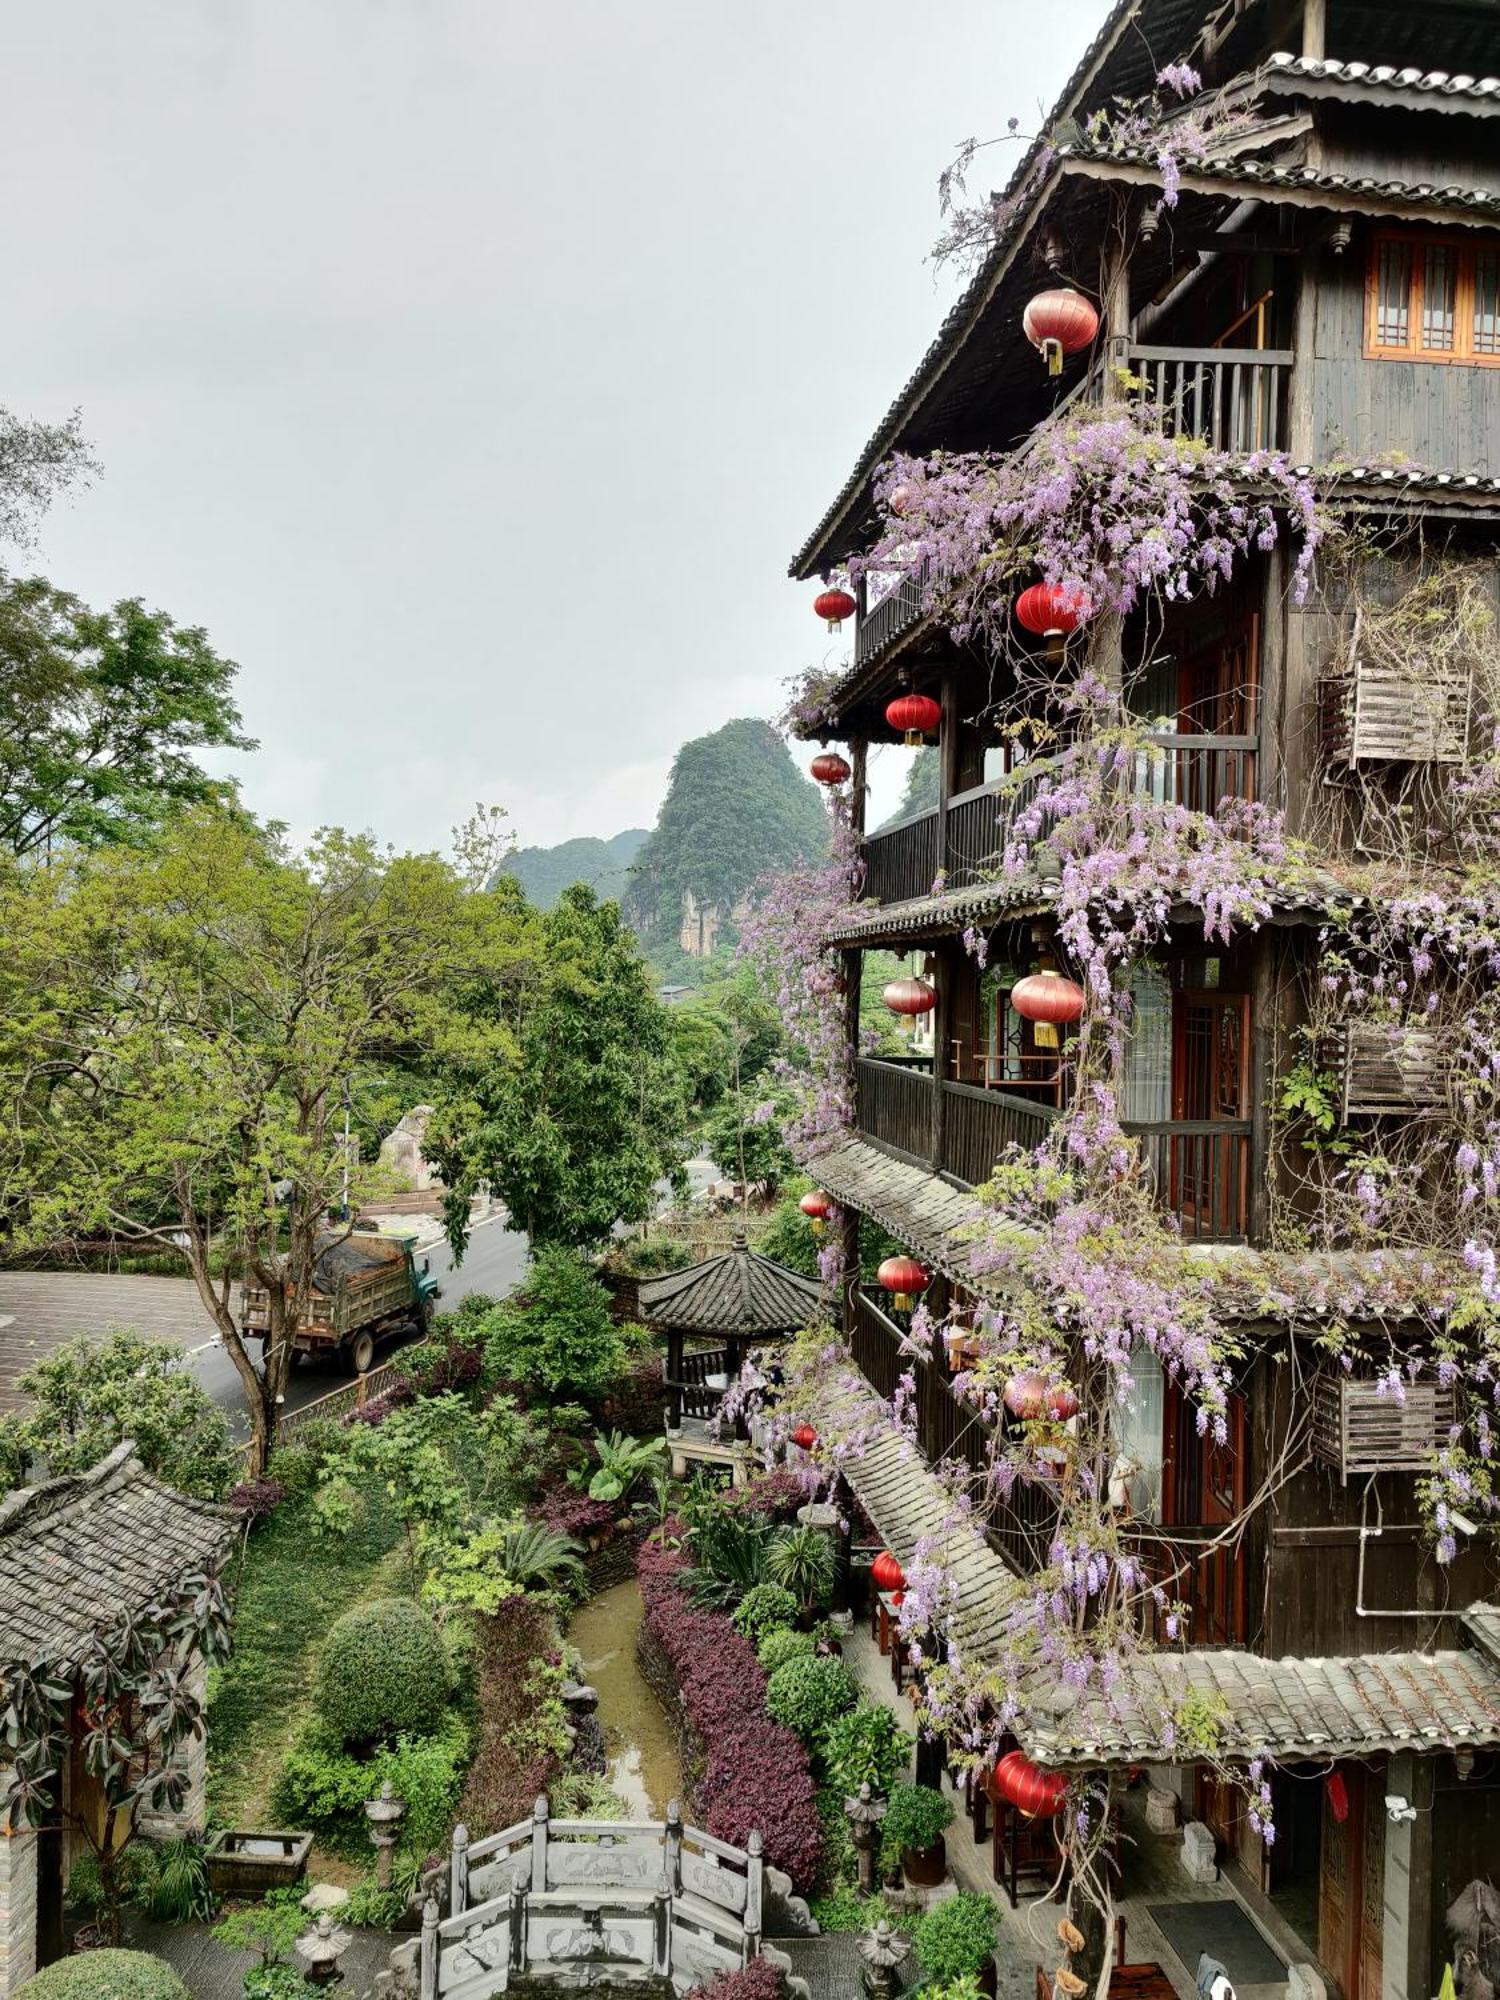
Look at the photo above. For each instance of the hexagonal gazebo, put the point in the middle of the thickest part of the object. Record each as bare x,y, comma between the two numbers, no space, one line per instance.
741,1299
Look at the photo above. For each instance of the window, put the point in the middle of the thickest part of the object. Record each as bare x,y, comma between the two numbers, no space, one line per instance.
1433,299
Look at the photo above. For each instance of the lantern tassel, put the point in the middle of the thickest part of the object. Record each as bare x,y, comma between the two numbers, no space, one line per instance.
1052,352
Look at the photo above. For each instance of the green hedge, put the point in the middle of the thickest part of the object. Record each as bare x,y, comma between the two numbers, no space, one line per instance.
384,1672
107,1975
324,1787
808,1693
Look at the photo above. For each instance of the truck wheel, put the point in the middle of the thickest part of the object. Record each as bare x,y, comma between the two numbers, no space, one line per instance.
359,1354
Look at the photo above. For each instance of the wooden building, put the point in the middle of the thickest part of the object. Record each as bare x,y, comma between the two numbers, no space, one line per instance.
1328,285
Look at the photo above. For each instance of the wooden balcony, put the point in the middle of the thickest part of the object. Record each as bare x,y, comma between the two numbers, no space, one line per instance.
903,861
896,613
1200,1170
1234,398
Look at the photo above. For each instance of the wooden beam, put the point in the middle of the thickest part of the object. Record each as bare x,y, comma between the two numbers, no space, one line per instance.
1350,200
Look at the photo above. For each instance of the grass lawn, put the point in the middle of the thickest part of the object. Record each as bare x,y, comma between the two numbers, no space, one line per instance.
288,1585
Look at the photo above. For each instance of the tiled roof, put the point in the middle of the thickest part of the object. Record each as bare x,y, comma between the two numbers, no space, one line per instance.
920,1208
81,1551
740,1293
1365,1705
1273,177
1420,88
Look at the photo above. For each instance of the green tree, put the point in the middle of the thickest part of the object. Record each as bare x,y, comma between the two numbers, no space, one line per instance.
920,793
703,1041
37,462
91,1395
101,713
586,1114
178,1028
745,1140
557,1333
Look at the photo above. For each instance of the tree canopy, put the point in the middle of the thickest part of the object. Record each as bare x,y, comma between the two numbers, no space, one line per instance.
37,462
576,1129
736,807
100,714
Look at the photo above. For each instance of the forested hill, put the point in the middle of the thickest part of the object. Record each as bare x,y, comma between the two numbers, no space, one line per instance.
544,872
736,807
921,793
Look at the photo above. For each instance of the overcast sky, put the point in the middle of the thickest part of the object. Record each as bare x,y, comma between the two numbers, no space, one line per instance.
472,369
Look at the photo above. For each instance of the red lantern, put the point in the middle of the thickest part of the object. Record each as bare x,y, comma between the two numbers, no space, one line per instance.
886,1573
1048,610
830,768
903,1278
1036,1793
1060,322
1062,1402
817,1207
910,996
804,1437
915,715
1026,1396
898,499
835,606
1047,996
1338,1795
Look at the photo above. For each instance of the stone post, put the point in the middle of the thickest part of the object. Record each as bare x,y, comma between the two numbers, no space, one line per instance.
427,1961
458,1872
882,1950
865,1813
539,1813
385,1813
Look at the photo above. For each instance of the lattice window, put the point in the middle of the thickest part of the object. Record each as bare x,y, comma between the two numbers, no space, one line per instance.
1380,714
1432,298
1359,1428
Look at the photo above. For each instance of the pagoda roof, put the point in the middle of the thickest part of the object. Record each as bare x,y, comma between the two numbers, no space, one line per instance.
85,1550
739,1293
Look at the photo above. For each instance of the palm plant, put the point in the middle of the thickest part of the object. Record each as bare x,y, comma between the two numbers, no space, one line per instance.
802,1561
537,1557
729,1553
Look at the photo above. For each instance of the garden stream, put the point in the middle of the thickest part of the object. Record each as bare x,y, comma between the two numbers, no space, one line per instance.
642,1751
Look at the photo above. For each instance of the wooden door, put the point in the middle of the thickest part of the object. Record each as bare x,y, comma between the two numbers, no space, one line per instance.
1208,1171
1341,1886
1204,1485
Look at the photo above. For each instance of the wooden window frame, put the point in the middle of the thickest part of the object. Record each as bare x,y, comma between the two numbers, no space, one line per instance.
1466,251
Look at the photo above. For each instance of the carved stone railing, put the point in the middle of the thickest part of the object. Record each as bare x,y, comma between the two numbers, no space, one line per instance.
579,1902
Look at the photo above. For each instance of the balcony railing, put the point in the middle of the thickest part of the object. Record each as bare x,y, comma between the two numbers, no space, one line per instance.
903,861
1199,1169
1234,398
896,612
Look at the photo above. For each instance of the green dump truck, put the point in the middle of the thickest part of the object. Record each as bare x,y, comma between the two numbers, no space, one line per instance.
365,1287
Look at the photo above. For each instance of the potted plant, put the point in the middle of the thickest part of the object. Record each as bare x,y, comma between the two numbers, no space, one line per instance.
956,1940
915,1820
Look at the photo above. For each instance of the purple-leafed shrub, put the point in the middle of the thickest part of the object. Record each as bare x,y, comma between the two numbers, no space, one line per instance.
756,1775
759,1981
255,1498
573,1513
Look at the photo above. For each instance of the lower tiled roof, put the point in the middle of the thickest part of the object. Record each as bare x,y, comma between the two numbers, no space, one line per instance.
926,1212
79,1552
1367,1704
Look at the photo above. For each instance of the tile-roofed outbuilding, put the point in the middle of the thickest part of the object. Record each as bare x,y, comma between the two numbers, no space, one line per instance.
740,1293
81,1551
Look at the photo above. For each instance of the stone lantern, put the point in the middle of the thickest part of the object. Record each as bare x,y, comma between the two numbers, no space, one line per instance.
882,1950
385,1814
321,1948
864,1814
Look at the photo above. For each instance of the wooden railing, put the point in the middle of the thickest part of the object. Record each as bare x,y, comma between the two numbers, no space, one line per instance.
895,1105
1199,772
692,1394
978,1126
1234,398
902,861
1200,1169
338,1403
876,1344
1201,1174
896,612
1210,1586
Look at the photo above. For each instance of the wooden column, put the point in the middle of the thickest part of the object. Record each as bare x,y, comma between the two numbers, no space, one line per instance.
942,1034
1315,30
858,762
1262,1073
674,1377
849,1237
950,750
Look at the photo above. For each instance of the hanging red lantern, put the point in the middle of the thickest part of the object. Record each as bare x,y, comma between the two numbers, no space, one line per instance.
1062,1403
1047,996
835,606
1337,1792
1036,1793
903,1278
1060,322
1026,1396
817,1207
804,1437
829,768
910,996
886,1573
1048,610
915,715
898,499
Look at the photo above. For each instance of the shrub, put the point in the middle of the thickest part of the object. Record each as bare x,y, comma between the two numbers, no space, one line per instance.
271,1928
171,1881
107,1975
809,1693
556,1334
372,1907
867,1746
957,1937
915,1817
764,1608
729,1554
586,1795
521,1719
802,1561
756,1774
383,1672
323,1786
782,1644
574,1513
759,1980
278,1982
775,1496
255,1498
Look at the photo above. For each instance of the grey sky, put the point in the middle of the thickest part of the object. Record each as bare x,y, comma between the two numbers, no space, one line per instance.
471,369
